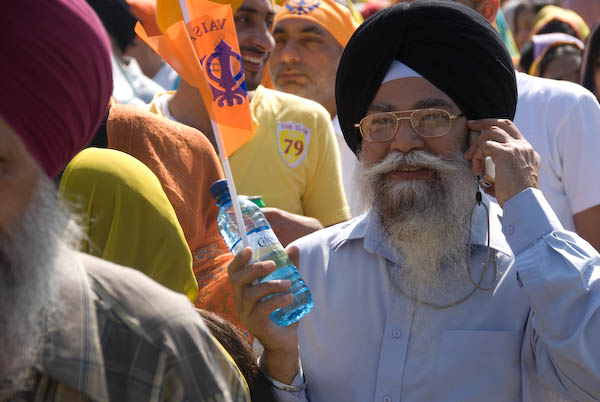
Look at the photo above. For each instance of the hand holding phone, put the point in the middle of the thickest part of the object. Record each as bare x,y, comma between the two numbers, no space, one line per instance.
488,176
504,159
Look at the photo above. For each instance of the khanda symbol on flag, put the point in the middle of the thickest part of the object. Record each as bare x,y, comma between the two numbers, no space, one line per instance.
226,87
199,41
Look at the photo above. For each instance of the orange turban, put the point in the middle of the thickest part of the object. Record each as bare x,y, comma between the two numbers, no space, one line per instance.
334,17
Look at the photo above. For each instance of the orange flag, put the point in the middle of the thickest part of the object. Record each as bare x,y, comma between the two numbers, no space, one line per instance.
206,54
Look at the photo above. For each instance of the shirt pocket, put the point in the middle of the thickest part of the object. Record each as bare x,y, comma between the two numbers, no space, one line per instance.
478,366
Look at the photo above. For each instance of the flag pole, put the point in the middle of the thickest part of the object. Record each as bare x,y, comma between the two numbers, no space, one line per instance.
230,183
223,154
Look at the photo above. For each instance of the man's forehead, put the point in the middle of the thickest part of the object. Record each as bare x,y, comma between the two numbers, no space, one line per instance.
256,6
299,26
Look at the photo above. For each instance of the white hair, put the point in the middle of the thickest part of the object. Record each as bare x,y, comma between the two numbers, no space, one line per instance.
30,258
426,222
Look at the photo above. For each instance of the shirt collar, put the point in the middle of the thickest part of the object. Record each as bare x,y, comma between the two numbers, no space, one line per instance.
368,227
75,357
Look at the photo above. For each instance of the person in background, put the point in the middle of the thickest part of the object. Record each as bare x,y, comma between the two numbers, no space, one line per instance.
557,19
308,45
560,120
502,26
72,326
186,164
130,84
436,297
152,65
127,218
292,160
556,56
522,19
589,10
590,71
236,344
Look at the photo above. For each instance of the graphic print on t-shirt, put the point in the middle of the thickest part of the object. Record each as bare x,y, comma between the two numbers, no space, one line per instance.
293,139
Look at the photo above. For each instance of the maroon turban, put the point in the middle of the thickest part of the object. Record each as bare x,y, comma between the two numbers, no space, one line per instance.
55,76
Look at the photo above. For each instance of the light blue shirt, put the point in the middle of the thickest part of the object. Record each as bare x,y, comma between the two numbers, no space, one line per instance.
534,337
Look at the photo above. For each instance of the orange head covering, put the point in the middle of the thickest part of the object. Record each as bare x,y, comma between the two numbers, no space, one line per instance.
574,20
334,17
186,165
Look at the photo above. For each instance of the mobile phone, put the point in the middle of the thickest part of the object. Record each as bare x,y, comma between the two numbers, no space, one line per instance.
488,176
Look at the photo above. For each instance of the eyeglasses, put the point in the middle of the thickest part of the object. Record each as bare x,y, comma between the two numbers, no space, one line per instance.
381,127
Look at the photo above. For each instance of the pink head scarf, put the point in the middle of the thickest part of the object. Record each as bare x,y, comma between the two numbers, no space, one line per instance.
55,76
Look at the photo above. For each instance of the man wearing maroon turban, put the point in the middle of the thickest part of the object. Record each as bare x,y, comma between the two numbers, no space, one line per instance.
73,327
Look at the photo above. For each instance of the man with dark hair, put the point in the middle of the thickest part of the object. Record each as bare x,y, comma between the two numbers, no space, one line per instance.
130,84
433,295
294,144
309,40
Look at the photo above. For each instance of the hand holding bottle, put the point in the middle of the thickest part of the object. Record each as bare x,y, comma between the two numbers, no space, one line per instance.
280,358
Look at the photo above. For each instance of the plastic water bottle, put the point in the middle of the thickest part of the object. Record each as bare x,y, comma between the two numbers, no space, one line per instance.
265,246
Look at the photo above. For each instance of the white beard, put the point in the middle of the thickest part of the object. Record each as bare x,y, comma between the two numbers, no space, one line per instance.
426,222
29,282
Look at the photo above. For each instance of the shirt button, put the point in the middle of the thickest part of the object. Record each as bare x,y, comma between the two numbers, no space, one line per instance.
396,333
387,398
510,230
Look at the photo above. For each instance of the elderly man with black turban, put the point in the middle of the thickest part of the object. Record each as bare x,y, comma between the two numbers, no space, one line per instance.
74,327
435,294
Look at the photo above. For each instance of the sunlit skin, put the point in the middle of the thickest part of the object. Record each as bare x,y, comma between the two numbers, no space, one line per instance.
253,22
305,61
19,174
418,93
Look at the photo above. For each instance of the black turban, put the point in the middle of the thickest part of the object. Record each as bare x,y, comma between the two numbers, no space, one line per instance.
450,45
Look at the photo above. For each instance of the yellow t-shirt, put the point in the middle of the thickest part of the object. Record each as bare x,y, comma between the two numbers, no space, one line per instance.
292,160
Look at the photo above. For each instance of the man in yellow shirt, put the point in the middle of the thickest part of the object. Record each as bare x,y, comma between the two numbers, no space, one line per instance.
309,40
292,161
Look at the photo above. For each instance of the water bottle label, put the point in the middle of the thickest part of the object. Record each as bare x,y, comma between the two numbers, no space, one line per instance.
263,242
259,238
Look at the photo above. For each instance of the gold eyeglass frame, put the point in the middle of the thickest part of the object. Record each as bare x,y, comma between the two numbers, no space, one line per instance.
398,118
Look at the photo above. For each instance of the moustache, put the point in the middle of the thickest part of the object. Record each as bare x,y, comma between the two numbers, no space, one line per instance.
256,51
418,159
289,68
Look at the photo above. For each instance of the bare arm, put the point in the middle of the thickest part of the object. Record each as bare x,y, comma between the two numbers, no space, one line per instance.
288,226
587,223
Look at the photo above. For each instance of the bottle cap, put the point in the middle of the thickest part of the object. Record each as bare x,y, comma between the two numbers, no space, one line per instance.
257,200
218,187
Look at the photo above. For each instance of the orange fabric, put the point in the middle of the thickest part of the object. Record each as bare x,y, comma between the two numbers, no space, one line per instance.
145,12
169,11
335,18
196,50
186,165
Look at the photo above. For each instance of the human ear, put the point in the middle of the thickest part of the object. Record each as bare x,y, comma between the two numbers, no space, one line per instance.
488,9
